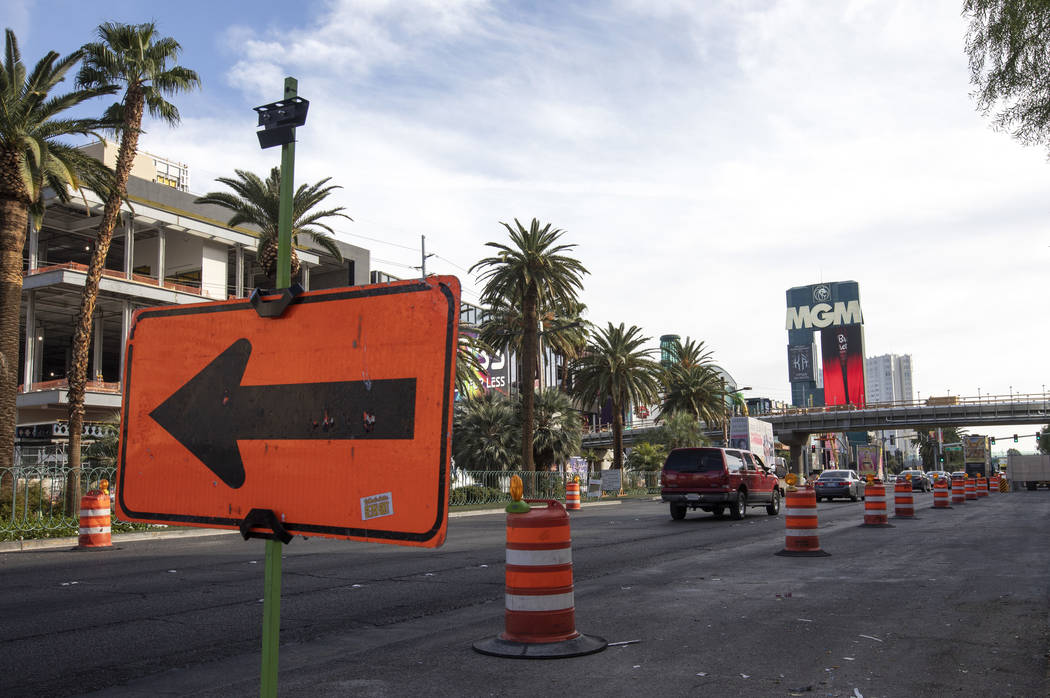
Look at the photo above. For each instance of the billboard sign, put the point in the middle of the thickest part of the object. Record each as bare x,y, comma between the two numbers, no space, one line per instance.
842,349
869,462
335,416
801,363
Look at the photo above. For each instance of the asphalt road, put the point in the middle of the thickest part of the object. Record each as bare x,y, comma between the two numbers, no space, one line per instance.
954,603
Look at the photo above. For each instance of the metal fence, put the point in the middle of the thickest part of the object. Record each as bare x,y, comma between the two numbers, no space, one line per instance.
33,491
472,487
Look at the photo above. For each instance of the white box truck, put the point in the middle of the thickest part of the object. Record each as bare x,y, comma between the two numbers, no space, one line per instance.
750,434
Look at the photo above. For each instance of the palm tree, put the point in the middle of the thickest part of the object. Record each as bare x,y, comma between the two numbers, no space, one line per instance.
483,434
132,55
691,383
533,271
681,430
258,203
616,368
695,390
32,159
557,433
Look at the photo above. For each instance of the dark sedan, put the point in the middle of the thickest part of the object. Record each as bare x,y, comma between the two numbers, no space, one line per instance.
839,483
917,478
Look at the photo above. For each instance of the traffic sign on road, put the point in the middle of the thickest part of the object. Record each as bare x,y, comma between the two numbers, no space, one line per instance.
336,415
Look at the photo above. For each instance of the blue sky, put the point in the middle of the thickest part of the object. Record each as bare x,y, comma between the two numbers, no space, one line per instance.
704,157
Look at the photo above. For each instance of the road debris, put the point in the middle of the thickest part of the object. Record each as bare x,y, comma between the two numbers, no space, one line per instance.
871,637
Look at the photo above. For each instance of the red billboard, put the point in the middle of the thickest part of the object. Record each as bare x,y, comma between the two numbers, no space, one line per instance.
842,349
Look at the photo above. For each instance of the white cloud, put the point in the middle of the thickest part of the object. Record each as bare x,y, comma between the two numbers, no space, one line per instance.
704,157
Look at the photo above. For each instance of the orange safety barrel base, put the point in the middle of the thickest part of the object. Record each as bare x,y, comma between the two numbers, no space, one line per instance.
875,507
94,522
540,618
800,521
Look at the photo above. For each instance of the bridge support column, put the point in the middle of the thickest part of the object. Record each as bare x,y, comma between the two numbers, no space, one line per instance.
796,444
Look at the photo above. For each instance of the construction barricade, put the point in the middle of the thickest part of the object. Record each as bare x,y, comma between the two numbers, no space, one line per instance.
940,495
958,491
903,501
993,484
982,487
540,618
875,506
800,521
572,495
95,520
971,488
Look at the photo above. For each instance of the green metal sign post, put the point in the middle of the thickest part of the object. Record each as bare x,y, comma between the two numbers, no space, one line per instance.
279,121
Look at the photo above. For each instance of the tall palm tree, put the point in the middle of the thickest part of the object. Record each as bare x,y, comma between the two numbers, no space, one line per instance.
695,390
135,57
680,430
692,384
535,271
615,367
259,203
32,159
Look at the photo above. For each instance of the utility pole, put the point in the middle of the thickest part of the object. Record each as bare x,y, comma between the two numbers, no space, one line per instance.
423,250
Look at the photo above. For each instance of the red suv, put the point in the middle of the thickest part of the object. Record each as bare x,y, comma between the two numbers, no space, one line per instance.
712,479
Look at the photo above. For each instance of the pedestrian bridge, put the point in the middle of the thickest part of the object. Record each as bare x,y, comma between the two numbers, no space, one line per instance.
794,424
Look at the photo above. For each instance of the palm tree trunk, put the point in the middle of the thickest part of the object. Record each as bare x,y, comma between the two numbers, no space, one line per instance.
14,215
77,379
617,429
528,372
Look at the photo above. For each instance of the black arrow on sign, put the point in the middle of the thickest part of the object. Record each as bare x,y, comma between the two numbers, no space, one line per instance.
213,411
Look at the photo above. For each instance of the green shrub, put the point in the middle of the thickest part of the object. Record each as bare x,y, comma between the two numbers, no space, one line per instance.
477,494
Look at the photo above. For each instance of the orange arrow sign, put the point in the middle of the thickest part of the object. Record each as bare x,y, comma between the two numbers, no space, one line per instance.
336,415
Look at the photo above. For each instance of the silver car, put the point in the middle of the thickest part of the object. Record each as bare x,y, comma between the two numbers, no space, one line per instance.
839,483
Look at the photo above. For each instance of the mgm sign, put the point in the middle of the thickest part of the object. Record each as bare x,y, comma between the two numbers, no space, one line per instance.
833,310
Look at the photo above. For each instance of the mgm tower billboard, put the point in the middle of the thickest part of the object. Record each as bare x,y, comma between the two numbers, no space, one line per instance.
833,310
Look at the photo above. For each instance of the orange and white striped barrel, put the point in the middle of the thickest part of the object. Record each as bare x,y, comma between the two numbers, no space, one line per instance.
875,505
540,617
572,495
940,494
958,491
993,484
800,522
971,488
903,501
94,521
982,487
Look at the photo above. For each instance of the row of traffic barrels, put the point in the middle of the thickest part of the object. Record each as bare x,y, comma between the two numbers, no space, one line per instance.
801,537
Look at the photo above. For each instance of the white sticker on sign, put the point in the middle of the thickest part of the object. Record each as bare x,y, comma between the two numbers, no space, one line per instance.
377,505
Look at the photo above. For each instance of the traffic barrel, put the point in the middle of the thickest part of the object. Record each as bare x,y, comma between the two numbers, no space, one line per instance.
875,506
940,494
540,617
958,491
903,501
993,484
572,495
95,520
971,488
982,487
800,522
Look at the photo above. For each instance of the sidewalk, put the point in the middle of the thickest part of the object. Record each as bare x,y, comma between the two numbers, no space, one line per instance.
30,544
